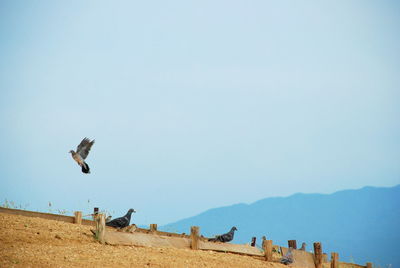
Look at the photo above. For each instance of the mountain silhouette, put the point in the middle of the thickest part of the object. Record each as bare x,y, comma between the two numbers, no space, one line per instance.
361,225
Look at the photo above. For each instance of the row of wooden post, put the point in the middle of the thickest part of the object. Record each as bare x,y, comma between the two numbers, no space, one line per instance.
319,256
195,234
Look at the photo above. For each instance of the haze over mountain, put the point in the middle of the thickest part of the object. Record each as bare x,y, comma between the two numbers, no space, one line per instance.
361,225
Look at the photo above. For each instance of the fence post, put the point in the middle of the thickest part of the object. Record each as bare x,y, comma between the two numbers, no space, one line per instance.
78,217
253,241
292,244
267,246
318,255
369,265
194,235
100,227
153,227
334,260
95,212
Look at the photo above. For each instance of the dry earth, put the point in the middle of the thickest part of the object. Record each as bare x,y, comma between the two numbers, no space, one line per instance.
36,242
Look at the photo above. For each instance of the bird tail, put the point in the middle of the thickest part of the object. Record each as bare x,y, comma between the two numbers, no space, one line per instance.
215,239
85,168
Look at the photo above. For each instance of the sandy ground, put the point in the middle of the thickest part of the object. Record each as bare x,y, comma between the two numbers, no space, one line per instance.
36,242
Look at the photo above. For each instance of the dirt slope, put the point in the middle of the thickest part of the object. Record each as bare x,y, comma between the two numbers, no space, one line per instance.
35,242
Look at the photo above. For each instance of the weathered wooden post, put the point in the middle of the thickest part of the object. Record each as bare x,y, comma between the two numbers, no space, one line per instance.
194,236
267,247
369,265
78,217
334,260
100,227
318,255
153,227
253,241
292,244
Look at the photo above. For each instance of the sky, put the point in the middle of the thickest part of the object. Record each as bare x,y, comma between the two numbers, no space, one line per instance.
196,104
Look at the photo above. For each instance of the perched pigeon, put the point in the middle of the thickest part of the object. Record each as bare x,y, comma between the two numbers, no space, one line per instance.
303,246
288,258
225,237
81,153
122,221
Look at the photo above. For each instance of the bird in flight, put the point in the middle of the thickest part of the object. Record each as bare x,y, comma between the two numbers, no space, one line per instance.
81,153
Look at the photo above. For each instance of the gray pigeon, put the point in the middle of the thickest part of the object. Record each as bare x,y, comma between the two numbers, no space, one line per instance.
81,153
122,221
288,258
303,246
225,237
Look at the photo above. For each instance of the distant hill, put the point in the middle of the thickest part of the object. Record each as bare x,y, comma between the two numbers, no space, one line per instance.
361,225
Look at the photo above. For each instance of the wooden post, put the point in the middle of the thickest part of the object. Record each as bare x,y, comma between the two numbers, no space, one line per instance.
253,241
292,244
267,246
334,260
369,265
194,235
95,213
100,227
318,255
78,217
153,227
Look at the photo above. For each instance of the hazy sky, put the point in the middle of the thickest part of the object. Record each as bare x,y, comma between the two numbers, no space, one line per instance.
196,104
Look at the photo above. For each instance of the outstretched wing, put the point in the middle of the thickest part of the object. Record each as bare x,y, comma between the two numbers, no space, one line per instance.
84,147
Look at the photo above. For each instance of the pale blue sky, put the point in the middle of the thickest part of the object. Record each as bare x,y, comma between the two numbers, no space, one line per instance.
196,104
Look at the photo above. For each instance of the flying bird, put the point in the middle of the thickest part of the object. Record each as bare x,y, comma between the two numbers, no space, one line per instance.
288,258
122,221
81,153
225,237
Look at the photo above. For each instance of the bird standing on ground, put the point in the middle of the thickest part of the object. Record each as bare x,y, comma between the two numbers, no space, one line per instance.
225,237
81,153
303,246
288,258
122,221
